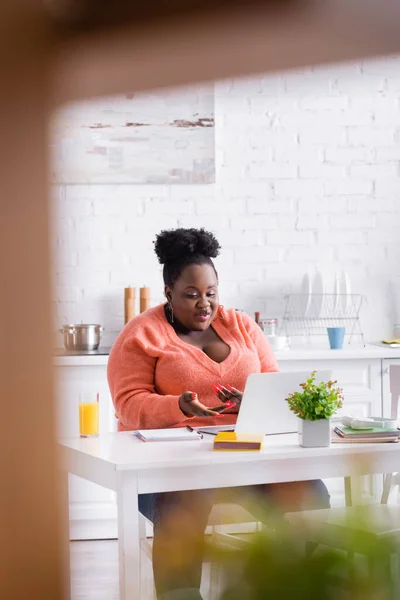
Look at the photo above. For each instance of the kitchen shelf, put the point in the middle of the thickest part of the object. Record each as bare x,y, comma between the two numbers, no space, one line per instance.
309,315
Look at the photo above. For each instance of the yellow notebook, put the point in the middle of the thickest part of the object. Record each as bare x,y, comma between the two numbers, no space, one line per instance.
229,440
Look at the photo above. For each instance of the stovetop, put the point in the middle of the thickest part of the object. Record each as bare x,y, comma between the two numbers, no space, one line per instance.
102,351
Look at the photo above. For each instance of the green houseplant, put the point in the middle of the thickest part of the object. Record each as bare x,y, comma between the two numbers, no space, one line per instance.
315,405
274,566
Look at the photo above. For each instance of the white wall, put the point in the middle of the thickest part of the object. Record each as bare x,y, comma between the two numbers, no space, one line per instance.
307,173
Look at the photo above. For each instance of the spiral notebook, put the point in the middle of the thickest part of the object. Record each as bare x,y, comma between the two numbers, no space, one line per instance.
180,434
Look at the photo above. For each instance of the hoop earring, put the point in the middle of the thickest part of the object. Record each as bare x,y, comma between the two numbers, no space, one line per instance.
171,311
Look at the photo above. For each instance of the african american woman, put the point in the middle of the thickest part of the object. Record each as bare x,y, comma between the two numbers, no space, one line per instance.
175,365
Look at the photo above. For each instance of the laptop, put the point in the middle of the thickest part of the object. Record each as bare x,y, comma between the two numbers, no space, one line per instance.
264,408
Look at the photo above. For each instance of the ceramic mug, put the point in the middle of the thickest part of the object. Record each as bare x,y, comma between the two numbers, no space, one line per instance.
278,342
336,337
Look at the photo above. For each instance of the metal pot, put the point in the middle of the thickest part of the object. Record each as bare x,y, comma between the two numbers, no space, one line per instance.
82,338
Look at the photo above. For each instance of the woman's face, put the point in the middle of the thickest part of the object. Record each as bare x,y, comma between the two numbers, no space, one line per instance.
194,297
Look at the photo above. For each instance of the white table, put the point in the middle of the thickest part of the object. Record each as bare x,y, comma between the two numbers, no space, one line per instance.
121,463
362,372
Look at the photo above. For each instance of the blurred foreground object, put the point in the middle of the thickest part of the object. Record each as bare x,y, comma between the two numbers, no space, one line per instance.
52,57
182,42
96,15
277,566
30,551
372,531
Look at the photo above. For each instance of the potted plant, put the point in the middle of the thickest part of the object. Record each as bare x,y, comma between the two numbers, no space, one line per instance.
315,405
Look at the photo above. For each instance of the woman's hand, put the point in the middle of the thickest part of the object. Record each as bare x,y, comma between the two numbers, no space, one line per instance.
228,395
190,405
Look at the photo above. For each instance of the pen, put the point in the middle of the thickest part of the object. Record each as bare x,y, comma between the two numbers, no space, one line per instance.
212,432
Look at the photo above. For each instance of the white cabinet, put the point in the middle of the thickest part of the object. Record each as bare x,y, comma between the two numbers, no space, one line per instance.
359,378
93,510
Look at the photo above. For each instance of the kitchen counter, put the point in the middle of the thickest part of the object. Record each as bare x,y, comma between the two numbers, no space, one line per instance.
380,351
102,351
349,352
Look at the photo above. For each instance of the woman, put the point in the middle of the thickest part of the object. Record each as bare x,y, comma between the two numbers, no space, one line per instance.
178,364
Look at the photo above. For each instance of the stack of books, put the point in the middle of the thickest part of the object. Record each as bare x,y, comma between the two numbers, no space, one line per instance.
372,435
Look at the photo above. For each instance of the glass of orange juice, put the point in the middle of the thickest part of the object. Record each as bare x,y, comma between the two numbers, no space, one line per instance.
89,414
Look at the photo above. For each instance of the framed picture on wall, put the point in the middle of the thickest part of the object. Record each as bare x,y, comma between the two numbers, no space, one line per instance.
163,137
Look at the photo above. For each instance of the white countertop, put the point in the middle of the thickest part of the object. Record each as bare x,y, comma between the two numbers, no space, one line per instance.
81,361
349,352
379,351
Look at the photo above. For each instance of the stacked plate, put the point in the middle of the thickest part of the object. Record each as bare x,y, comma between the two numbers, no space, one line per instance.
325,294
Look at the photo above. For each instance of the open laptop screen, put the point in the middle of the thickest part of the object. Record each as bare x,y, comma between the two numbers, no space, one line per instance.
264,408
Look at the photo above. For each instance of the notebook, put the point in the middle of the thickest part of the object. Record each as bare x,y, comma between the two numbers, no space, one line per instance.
180,434
371,434
337,439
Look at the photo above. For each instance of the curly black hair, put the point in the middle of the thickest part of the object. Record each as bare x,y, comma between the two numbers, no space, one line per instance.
179,248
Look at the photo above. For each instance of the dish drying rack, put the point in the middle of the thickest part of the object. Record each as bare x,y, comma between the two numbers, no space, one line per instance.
309,315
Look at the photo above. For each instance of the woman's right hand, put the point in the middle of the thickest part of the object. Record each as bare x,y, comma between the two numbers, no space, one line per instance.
190,405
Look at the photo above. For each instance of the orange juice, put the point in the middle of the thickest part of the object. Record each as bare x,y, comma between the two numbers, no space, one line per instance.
89,419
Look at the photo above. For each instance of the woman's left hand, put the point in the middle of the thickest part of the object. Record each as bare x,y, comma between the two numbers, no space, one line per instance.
229,394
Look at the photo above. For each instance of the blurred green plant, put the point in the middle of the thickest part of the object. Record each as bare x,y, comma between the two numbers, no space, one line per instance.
276,567
317,400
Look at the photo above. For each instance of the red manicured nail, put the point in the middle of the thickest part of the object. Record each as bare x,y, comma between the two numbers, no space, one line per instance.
215,388
194,396
230,388
220,387
218,415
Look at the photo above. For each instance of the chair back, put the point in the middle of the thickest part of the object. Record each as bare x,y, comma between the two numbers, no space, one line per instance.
394,377
392,479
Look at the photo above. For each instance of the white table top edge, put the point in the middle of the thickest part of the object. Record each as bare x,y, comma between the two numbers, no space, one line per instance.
194,465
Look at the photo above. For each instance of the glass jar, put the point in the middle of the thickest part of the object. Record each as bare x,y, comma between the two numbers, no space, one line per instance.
269,326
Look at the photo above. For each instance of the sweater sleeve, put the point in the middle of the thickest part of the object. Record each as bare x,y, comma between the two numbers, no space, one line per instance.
267,357
130,375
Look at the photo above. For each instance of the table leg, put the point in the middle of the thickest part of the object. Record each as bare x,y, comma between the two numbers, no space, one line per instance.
353,490
347,491
128,536
387,484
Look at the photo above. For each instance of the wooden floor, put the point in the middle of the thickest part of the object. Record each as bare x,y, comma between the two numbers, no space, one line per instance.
94,572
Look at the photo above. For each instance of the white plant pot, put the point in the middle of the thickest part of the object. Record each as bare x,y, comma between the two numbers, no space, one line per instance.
315,434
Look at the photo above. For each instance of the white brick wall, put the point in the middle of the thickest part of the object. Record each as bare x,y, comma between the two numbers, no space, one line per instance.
307,174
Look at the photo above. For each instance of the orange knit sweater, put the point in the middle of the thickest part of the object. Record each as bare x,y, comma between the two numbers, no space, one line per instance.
150,367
